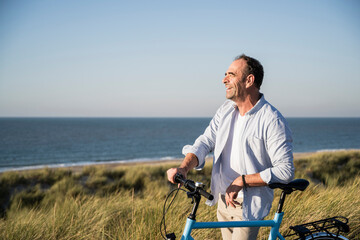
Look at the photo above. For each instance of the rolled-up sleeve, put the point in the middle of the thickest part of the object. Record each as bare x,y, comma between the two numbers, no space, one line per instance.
279,146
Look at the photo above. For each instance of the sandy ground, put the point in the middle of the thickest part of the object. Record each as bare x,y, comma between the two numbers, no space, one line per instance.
152,163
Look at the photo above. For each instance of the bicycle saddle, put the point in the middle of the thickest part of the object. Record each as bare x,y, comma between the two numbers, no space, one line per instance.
297,184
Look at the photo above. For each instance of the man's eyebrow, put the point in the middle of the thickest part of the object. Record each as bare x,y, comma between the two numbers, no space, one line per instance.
231,73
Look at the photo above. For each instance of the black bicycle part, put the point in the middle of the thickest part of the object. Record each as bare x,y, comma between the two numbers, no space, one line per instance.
195,193
168,236
308,229
297,184
190,185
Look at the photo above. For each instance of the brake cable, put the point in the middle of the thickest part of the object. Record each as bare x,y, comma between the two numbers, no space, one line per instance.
165,210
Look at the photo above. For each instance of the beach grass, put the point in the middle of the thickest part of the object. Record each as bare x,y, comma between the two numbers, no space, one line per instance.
126,201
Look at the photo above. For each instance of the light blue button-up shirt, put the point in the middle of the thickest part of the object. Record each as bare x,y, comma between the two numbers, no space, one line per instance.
266,145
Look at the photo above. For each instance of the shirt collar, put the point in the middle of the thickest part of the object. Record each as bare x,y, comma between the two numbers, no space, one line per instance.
257,106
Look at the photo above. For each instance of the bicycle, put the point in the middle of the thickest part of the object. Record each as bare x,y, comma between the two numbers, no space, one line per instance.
313,230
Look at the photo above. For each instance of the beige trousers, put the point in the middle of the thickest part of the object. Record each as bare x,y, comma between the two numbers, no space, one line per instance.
225,213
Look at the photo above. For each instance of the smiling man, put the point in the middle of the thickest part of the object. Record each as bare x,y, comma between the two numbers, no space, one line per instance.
252,147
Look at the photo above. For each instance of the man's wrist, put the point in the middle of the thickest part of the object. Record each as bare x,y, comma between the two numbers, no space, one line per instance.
185,169
238,182
243,182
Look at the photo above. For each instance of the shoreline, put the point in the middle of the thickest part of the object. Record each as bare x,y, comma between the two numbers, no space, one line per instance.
114,164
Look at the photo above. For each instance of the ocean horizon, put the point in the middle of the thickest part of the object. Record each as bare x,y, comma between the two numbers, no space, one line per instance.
31,143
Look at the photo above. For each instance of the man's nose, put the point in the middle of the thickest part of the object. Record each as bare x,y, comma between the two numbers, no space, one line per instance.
225,79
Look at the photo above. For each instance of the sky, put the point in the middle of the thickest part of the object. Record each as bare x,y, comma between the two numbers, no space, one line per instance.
167,58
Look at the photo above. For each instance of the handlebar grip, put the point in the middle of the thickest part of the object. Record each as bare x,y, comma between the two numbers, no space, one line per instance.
206,194
189,184
178,178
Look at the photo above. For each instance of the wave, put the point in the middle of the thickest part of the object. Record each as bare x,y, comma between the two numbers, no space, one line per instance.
334,150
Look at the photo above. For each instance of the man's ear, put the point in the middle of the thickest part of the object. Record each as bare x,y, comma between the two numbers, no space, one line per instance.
250,80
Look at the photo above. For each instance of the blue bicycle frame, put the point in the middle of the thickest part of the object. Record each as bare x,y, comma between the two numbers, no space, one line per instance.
274,224
196,191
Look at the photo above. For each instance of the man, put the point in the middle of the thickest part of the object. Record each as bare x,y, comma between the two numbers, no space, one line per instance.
252,147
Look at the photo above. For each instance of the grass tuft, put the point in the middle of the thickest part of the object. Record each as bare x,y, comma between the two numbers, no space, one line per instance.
126,202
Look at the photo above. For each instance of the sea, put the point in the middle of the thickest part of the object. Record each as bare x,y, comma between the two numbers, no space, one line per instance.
30,143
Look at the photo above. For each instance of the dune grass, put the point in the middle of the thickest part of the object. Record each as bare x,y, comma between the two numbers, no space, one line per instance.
126,202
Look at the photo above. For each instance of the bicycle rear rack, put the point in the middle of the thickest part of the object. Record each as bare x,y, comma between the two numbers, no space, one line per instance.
308,229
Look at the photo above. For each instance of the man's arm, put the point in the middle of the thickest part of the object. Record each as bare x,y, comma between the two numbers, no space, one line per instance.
279,149
251,180
190,161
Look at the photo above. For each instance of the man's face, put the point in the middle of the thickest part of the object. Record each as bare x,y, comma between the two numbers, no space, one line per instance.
234,81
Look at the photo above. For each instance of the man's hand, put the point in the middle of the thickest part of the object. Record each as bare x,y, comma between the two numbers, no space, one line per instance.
252,180
232,193
173,171
190,161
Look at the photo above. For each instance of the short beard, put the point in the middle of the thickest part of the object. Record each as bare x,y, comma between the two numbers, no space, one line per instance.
240,93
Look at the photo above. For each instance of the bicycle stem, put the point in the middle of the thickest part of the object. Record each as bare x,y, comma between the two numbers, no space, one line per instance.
196,197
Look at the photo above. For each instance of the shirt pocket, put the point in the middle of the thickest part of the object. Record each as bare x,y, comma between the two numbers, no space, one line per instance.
255,148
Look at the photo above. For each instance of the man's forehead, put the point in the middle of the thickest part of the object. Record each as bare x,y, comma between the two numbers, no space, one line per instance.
239,62
237,65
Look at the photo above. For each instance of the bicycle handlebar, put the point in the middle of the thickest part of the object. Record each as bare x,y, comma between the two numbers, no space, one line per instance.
190,185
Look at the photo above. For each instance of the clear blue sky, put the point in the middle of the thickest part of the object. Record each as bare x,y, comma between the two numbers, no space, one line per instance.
167,58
